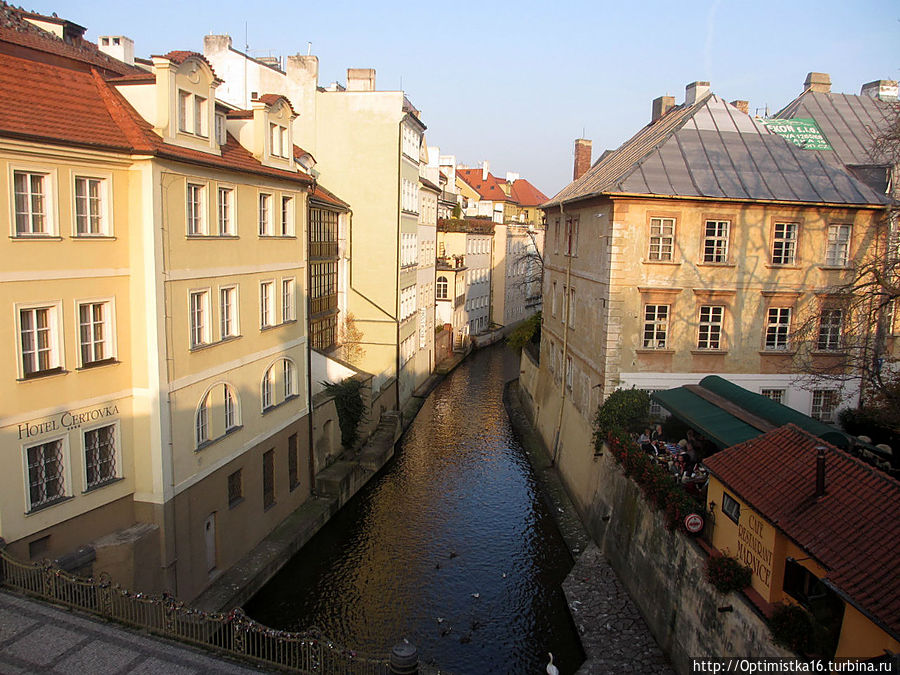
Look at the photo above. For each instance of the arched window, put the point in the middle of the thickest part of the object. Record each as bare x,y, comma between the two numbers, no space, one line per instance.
441,288
290,380
231,413
201,424
268,388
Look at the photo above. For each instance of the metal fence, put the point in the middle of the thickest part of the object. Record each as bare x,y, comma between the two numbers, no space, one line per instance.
233,633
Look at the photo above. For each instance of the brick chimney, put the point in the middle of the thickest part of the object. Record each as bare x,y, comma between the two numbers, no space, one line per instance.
695,91
661,106
883,90
743,106
360,79
820,82
582,157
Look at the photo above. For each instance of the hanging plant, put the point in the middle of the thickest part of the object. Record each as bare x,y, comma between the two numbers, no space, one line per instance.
350,407
728,574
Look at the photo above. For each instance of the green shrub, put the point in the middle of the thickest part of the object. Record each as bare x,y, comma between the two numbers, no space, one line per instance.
627,409
791,627
525,332
728,574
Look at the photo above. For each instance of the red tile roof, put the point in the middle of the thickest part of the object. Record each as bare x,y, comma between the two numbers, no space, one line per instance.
852,530
272,99
323,195
526,194
83,109
489,189
179,56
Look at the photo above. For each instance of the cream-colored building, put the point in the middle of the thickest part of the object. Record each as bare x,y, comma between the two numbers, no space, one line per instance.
698,247
154,280
516,288
368,145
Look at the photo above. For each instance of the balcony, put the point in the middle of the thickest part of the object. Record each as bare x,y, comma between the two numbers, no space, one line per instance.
323,249
326,303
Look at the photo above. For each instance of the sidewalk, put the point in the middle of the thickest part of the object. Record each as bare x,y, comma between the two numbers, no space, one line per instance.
40,638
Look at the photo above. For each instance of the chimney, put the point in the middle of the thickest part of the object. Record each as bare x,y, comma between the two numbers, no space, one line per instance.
512,177
820,471
661,106
582,158
883,90
485,169
695,91
743,106
820,82
117,46
360,79
212,44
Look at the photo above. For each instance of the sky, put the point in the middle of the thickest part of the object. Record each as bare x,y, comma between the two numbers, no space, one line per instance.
515,83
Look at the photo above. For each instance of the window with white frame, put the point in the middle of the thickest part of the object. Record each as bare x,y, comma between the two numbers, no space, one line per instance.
184,106
407,302
287,216
39,340
95,332
571,308
201,423
226,211
715,241
662,239
407,349
776,395
572,236
265,215
830,325
279,145
100,455
268,389
289,384
192,109
778,325
221,129
570,369
441,288
710,331
196,213
228,312
46,473
837,249
32,203
409,196
232,419
288,306
411,142
266,304
656,326
408,246
824,405
784,244
199,312
90,207
731,507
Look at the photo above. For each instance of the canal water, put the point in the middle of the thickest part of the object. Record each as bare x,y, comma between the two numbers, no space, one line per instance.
451,546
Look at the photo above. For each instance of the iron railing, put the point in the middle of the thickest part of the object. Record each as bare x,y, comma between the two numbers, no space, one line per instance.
231,633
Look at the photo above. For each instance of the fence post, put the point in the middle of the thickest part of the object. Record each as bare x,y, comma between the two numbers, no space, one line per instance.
404,659
238,630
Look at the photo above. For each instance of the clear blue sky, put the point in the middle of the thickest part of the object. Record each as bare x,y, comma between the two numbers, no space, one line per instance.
517,82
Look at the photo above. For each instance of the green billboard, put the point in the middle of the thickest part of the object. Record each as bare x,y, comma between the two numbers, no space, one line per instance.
802,132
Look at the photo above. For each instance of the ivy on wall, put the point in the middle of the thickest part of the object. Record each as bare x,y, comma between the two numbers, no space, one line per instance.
350,407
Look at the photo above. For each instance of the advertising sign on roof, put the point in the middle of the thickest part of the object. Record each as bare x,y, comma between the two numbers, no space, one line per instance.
801,131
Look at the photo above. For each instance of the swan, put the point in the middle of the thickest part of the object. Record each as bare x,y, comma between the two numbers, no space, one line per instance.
551,669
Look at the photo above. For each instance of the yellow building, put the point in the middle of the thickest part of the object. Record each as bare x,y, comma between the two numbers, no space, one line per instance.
155,389
812,522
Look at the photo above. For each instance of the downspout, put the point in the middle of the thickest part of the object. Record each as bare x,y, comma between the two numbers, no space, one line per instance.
397,242
309,397
565,349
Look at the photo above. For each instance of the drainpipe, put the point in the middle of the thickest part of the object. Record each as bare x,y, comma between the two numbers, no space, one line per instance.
565,352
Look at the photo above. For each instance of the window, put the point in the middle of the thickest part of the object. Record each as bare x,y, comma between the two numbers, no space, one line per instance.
95,332
731,507
265,217
553,299
656,326
710,334
293,461
824,403
778,323
46,482
228,312
776,395
199,318
278,140
268,478
31,203
100,455
407,302
89,198
268,389
662,238
184,102
323,332
231,419
287,368
200,116
235,488
287,216
39,340
784,245
569,372
571,308
441,289
571,236
556,236
201,424
408,246
226,212
221,129
196,221
837,250
266,306
830,322
715,241
288,311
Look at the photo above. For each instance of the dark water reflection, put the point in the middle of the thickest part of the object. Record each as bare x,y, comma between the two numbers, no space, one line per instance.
456,513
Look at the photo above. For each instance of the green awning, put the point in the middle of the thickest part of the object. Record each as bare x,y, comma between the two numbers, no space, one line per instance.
716,424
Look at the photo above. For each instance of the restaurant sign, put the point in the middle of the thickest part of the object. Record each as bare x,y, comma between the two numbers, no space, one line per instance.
67,420
802,132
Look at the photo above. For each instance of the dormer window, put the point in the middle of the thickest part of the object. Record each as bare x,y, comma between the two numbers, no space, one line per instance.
279,144
192,113
220,129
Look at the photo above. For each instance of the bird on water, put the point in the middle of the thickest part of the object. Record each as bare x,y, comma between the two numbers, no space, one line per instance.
551,669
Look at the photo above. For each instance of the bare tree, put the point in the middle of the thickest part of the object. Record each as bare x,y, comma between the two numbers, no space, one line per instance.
532,282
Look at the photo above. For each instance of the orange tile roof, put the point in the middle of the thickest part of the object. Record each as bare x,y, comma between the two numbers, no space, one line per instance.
487,189
272,99
526,194
849,530
179,56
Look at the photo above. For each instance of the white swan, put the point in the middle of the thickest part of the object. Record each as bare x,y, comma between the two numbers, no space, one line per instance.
551,669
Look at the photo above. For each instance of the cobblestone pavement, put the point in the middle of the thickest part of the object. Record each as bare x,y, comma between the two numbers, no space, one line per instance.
40,638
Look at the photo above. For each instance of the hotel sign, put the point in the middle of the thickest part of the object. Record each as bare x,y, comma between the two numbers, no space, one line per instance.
66,421
802,132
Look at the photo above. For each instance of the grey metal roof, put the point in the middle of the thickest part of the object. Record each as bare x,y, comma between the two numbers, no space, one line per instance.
711,149
850,123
